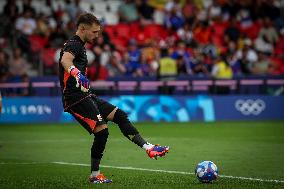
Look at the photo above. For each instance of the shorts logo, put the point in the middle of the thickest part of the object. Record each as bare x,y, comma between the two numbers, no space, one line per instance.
99,117
250,107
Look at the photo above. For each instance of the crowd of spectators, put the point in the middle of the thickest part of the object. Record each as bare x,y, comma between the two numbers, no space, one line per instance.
163,38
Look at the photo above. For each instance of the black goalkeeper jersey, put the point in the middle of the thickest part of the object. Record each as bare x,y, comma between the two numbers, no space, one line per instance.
76,47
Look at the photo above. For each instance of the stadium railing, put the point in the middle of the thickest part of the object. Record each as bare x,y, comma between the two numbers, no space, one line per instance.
180,86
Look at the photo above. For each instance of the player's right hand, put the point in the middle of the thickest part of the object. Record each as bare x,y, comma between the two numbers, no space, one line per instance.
81,80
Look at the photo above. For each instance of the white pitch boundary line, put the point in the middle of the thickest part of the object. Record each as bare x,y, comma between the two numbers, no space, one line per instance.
173,172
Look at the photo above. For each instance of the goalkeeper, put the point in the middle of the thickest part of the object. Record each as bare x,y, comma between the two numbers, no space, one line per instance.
90,111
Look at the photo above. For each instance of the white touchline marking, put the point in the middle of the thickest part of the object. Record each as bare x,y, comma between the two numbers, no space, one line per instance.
141,169
166,171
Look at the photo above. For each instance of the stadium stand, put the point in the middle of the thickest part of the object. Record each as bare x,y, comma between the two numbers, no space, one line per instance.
202,37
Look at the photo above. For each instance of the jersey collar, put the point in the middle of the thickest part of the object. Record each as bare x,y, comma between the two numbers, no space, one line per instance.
79,39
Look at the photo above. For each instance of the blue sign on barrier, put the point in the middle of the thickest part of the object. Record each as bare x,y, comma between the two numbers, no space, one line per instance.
33,109
166,108
153,108
248,107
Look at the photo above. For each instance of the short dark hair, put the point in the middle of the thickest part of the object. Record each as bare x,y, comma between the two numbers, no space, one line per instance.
87,18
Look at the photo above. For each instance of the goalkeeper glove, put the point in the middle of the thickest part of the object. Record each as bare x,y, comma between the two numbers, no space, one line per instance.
81,80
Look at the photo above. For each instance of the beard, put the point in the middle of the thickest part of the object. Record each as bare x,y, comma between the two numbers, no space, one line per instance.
91,41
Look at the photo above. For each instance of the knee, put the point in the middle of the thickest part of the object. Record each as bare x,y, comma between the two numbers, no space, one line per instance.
100,128
102,133
120,116
121,119
99,143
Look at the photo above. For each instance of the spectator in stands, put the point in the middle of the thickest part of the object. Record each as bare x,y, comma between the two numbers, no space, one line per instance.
133,67
263,45
115,66
232,58
210,49
198,64
265,8
7,21
127,11
182,57
73,9
263,66
269,31
106,55
247,56
279,48
186,34
173,5
190,21
244,16
167,65
69,29
214,10
57,37
159,16
19,68
232,33
267,37
149,58
202,33
235,64
46,9
174,21
11,10
42,27
189,12
145,10
27,7
26,26
230,9
221,69
4,66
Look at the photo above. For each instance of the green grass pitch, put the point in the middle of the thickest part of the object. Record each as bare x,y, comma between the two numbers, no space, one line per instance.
239,149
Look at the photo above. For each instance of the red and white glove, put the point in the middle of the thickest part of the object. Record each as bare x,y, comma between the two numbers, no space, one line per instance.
81,80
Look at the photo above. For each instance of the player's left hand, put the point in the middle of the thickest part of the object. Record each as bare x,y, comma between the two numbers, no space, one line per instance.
82,81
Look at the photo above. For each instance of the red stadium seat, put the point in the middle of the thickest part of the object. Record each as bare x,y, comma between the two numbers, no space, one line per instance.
155,31
119,42
122,30
47,56
252,31
110,31
218,29
37,42
279,64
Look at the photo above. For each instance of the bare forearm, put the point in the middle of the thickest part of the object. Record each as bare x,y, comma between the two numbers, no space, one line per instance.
66,65
67,61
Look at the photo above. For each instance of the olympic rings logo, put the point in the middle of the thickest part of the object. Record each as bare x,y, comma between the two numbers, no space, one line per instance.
250,107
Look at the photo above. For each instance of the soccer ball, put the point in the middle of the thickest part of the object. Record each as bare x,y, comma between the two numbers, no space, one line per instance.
206,171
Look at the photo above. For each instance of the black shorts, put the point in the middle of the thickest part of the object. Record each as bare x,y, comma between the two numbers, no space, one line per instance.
90,112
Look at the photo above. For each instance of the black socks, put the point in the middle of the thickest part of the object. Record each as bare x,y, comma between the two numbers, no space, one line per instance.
128,130
98,148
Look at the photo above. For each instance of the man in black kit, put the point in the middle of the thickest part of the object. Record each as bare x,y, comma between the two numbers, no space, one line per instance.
89,110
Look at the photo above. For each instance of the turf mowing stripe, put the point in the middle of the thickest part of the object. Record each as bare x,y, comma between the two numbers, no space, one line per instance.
174,172
20,163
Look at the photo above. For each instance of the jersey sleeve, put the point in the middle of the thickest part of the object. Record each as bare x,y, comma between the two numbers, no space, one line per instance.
73,48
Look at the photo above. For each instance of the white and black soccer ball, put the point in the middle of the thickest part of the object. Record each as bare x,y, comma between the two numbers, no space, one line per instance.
206,171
